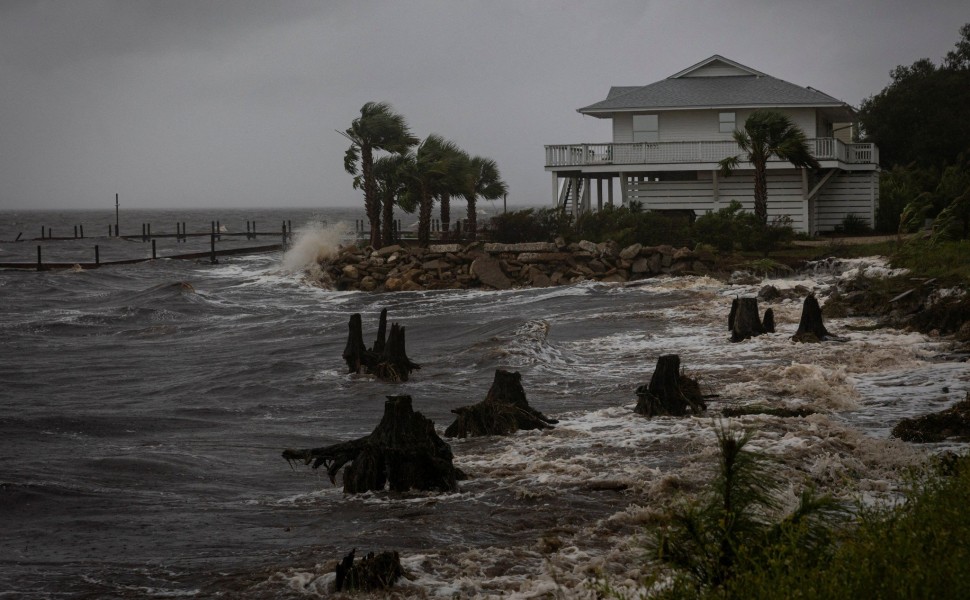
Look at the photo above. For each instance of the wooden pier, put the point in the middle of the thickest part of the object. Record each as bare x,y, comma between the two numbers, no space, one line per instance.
215,235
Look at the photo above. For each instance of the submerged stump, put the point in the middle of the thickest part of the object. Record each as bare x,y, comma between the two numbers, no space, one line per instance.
403,453
810,326
670,392
743,320
387,359
373,572
504,410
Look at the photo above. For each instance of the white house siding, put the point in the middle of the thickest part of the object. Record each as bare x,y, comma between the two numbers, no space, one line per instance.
622,128
702,125
785,194
847,193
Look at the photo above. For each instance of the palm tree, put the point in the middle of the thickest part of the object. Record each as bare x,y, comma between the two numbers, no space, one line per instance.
429,171
455,182
389,174
485,182
768,133
377,128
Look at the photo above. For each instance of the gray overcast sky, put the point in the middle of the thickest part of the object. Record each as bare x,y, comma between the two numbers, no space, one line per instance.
203,103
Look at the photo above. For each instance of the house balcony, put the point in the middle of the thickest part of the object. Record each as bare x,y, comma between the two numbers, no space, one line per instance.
700,152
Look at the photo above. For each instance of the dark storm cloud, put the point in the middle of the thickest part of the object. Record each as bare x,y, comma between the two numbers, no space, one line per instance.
182,103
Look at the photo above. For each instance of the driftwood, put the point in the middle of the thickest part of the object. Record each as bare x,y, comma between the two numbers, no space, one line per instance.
810,326
387,359
669,392
504,410
744,322
373,572
402,453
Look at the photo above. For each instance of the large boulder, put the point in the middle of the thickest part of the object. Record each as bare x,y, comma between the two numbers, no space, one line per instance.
489,272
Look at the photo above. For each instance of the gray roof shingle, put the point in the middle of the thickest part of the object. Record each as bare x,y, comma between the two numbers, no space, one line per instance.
696,92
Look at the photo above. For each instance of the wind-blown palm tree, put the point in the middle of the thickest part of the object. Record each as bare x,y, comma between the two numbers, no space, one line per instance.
377,128
768,133
455,182
428,174
389,174
484,182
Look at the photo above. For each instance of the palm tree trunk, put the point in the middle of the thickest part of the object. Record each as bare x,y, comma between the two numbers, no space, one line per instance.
761,192
424,219
471,227
445,211
387,221
371,203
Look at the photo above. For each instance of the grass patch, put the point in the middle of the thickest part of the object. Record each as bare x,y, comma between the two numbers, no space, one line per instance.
944,260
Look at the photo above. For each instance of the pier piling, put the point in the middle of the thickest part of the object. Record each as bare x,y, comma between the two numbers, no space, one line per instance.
97,255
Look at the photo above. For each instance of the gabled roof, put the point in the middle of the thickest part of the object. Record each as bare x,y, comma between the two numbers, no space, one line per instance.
716,82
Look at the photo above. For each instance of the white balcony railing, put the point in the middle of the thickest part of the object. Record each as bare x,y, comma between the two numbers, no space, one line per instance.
582,155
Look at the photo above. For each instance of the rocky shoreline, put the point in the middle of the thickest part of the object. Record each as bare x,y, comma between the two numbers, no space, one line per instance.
502,266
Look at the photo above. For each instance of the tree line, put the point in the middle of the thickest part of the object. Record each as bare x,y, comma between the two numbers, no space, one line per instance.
921,124
413,174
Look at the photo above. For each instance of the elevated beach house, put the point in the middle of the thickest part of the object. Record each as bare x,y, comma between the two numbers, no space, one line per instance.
668,137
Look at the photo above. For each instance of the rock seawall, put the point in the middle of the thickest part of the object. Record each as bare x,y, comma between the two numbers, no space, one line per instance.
502,266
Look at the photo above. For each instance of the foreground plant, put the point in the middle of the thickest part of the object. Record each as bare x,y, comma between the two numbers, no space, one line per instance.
734,527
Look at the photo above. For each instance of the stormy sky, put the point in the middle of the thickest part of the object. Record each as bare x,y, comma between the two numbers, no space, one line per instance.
205,103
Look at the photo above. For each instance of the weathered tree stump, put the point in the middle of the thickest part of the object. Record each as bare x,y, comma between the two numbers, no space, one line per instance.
670,392
768,322
504,410
402,453
373,572
810,326
387,359
743,321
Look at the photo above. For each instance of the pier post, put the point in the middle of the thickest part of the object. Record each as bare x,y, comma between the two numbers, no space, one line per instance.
153,250
75,232
40,265
185,237
254,229
284,236
248,235
97,253
82,231
149,225
219,230
109,229
212,246
143,232
116,230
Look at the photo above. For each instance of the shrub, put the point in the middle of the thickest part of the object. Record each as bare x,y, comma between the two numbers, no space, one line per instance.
530,225
630,225
732,225
853,225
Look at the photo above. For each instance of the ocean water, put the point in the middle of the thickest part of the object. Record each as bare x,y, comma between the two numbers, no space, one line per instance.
144,408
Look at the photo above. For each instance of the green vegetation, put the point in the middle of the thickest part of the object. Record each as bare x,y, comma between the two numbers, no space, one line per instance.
731,545
732,530
945,260
917,549
922,128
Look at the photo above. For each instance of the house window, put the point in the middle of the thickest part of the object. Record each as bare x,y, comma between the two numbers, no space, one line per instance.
726,122
646,128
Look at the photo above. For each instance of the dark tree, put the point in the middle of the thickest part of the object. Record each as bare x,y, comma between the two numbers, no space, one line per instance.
669,392
504,410
921,116
403,453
